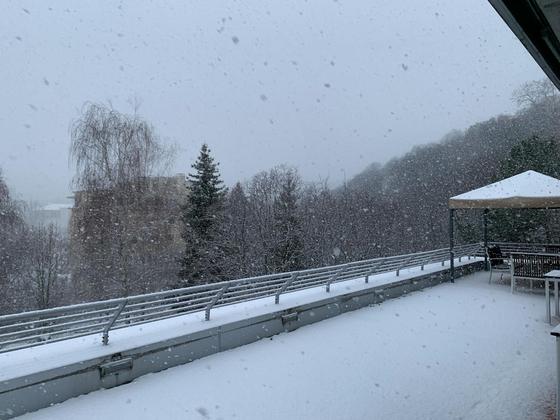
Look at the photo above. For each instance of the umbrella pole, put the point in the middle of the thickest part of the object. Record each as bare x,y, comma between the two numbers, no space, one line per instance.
451,245
485,224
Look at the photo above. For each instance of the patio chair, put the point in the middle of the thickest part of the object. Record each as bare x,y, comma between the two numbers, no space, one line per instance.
497,261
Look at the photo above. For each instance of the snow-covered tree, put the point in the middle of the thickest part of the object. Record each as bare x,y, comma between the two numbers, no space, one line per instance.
203,220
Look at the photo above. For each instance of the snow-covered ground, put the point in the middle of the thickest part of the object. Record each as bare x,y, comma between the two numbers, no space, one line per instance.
466,350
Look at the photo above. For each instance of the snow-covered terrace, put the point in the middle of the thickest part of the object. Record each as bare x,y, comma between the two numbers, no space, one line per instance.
52,356
466,350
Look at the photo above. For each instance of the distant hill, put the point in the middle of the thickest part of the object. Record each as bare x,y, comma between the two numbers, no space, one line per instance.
407,197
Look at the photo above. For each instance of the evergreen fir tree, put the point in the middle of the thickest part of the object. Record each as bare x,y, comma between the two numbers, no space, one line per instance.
202,219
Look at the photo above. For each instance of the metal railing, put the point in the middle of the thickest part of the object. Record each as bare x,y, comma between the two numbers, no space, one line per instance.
34,328
532,265
509,247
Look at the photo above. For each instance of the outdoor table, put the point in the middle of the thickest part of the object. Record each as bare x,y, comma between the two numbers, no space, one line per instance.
554,276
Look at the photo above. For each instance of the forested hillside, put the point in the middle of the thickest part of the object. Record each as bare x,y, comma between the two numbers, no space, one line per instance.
135,229
406,199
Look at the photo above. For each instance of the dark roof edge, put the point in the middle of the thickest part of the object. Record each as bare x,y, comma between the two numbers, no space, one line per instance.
527,22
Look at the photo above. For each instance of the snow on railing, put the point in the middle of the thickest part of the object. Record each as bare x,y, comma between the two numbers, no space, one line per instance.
34,328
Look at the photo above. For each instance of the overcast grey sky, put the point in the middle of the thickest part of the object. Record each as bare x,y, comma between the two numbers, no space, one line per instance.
327,86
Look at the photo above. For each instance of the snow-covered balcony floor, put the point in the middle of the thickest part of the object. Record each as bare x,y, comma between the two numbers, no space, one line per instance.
466,350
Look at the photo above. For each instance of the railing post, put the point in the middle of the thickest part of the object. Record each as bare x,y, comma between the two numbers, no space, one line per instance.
112,321
334,277
286,284
451,246
373,269
557,377
214,300
403,265
424,263
512,273
485,238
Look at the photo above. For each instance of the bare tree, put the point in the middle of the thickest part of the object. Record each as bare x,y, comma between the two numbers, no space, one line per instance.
540,101
122,227
113,150
47,260
12,250
263,194
287,251
535,92
236,233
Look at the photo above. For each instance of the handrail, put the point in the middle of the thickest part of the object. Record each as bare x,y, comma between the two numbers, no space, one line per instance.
533,265
29,329
545,254
508,247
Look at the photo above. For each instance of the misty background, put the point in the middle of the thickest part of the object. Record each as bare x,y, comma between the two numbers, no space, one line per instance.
328,87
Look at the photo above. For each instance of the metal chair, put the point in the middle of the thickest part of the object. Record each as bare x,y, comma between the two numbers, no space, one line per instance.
497,261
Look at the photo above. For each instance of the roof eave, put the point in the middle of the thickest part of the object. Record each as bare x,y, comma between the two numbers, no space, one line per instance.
526,19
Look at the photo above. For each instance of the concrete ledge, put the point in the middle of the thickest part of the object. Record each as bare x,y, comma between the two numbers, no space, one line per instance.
42,389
